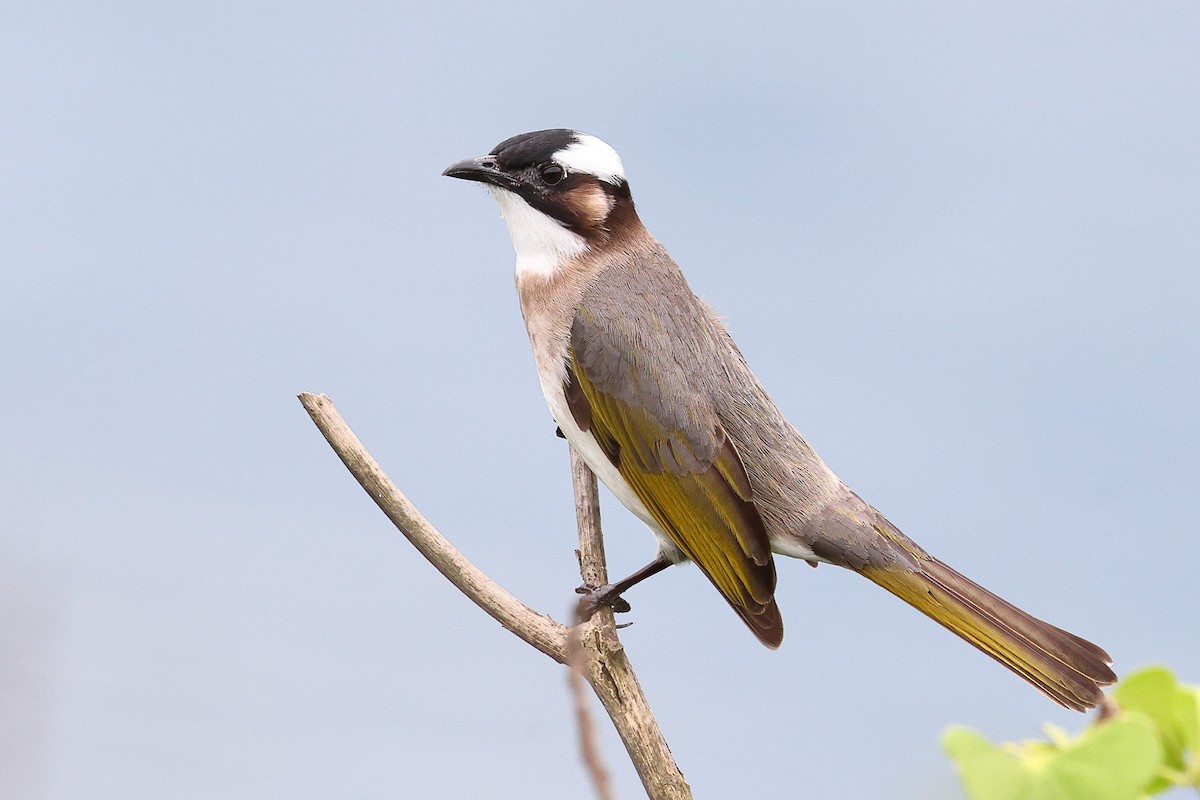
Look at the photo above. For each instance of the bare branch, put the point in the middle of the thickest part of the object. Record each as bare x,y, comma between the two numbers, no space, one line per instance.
593,566
594,571
538,630
606,665
609,671
577,661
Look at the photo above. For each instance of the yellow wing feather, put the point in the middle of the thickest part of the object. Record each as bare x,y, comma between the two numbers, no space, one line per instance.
708,513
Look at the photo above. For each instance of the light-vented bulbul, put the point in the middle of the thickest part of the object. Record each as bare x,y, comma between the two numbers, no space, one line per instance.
645,382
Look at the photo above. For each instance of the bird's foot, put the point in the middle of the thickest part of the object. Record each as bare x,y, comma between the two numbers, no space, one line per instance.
596,597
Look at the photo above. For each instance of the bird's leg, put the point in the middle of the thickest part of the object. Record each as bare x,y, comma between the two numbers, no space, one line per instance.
594,597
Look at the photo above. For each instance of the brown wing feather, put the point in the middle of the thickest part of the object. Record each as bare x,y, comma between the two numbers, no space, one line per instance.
704,504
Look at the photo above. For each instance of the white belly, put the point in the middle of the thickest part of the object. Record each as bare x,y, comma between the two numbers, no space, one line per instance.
587,447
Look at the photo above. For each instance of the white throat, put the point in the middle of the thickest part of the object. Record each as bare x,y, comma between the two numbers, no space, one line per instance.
541,242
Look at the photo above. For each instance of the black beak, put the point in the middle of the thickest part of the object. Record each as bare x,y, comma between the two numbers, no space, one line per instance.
484,170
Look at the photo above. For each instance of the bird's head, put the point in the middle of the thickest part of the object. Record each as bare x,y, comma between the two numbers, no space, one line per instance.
562,193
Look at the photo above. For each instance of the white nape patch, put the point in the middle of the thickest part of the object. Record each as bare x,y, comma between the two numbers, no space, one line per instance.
591,155
541,242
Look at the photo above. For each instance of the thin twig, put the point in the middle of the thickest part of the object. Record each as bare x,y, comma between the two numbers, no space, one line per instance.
594,571
593,566
537,629
589,748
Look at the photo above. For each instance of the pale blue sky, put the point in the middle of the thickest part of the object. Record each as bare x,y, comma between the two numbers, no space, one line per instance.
958,244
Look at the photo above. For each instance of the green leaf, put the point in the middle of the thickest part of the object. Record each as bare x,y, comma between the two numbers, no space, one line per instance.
1113,761
1172,708
987,772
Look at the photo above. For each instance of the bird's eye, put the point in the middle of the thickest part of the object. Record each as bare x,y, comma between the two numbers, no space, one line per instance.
552,174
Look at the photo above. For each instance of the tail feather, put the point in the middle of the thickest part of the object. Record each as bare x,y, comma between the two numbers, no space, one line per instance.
1068,669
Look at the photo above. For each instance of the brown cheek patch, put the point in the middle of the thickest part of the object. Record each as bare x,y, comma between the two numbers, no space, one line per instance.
590,204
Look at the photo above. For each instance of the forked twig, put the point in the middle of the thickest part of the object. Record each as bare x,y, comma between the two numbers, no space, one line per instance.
603,663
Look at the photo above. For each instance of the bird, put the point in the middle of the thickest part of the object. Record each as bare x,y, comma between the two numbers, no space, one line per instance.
645,382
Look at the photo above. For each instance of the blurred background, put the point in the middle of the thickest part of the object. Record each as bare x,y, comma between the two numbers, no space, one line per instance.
958,244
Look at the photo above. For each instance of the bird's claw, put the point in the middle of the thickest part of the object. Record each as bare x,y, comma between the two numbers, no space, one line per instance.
596,597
